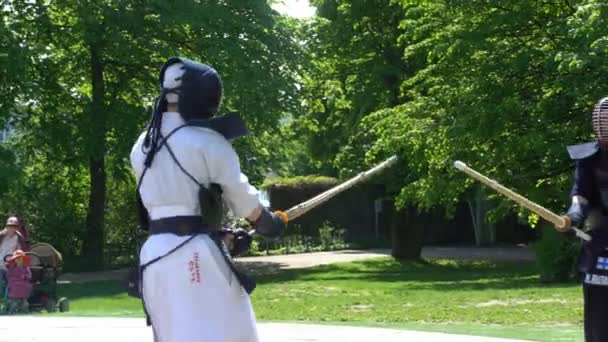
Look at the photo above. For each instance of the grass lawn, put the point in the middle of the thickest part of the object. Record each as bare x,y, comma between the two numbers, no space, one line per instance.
483,298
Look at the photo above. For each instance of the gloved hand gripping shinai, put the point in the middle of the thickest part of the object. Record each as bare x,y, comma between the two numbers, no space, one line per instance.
270,224
578,211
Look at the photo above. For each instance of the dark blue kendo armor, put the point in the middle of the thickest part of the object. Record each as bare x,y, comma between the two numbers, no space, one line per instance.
591,182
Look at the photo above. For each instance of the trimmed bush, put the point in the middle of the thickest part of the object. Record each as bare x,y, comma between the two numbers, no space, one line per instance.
556,255
301,182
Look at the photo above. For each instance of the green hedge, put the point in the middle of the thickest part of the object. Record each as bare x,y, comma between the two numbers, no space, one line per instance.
300,182
556,255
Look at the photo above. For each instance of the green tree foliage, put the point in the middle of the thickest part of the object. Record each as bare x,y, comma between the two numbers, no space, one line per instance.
501,85
83,74
494,93
356,69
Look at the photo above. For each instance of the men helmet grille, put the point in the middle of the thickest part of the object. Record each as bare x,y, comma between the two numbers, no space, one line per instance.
600,120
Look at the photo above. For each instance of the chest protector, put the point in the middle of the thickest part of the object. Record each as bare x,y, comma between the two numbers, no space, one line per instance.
600,173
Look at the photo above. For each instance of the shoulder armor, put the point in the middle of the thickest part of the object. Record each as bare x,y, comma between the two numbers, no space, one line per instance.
583,151
230,125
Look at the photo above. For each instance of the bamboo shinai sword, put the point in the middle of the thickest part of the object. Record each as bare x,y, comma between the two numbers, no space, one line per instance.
304,207
541,211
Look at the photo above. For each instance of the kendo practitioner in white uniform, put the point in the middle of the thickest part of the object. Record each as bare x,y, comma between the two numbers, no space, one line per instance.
589,209
186,168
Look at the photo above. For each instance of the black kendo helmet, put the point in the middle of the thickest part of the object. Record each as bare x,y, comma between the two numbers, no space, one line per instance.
200,91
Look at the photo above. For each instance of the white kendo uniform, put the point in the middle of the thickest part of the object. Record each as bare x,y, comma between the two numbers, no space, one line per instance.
191,294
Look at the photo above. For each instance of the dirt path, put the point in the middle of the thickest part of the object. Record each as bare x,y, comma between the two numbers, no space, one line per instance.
290,261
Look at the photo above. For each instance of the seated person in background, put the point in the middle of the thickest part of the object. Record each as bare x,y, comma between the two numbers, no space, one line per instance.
19,282
10,240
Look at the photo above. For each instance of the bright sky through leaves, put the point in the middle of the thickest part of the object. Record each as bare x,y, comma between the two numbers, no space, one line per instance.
295,8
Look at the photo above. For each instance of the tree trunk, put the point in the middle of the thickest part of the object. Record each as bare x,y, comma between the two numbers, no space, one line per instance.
479,205
93,243
407,234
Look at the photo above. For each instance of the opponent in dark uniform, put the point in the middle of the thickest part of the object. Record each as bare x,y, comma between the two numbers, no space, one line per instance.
589,208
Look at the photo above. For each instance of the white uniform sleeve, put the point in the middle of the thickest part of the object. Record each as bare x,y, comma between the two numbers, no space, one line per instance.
137,157
242,197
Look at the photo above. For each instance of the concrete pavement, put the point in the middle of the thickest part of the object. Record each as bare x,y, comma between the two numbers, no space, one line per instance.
97,329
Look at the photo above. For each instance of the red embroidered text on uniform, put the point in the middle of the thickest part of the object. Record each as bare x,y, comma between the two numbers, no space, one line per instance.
193,266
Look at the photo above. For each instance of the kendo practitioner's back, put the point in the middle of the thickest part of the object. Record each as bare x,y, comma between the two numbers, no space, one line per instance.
186,169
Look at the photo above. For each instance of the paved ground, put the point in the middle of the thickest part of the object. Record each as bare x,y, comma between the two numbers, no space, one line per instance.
74,329
274,263
279,262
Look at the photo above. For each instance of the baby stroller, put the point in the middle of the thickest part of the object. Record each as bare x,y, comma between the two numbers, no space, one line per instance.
46,266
